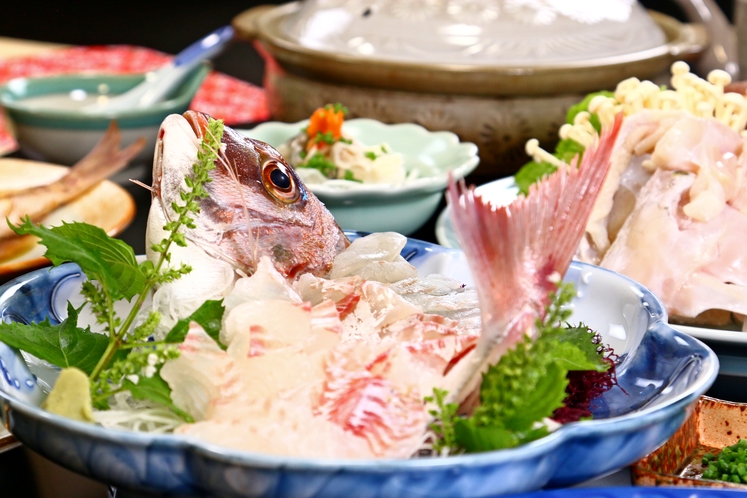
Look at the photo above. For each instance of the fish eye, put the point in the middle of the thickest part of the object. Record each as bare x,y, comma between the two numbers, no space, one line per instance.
279,181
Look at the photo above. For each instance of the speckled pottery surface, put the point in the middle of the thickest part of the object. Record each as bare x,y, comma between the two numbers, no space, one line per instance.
495,72
662,373
713,425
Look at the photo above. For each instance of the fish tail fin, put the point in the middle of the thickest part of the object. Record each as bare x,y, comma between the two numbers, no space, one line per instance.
518,252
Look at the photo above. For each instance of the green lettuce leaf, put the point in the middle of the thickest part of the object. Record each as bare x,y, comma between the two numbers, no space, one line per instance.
584,106
531,173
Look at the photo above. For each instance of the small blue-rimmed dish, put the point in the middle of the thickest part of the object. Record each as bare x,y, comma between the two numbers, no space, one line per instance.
50,124
661,374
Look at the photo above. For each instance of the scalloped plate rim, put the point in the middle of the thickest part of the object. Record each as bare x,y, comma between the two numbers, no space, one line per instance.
467,155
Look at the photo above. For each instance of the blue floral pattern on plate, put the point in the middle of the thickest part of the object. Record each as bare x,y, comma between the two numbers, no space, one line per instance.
662,373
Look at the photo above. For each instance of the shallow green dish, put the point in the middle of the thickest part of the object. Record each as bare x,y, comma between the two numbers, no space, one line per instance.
66,135
384,207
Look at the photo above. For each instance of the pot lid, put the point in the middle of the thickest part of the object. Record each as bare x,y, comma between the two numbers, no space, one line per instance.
476,47
475,32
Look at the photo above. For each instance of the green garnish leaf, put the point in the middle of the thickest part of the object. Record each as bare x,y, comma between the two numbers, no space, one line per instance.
337,107
446,417
475,439
109,261
155,389
326,137
64,345
208,316
584,106
525,386
585,342
565,150
126,351
320,162
371,155
348,175
532,172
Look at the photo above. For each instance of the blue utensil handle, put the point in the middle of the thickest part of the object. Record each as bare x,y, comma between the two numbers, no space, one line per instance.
205,48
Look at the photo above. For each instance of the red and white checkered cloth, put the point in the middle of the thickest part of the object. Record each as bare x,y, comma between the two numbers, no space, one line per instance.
220,95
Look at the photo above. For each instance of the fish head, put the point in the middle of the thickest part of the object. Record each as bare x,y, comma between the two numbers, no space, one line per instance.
256,205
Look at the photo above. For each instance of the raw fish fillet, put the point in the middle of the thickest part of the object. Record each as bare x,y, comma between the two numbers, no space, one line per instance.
685,218
322,368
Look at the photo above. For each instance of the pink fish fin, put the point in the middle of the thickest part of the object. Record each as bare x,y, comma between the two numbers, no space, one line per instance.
515,251
561,204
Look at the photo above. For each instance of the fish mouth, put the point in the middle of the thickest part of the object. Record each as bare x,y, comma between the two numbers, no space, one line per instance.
155,190
198,121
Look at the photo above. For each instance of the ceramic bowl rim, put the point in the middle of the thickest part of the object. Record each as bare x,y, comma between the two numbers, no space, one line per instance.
9,98
427,184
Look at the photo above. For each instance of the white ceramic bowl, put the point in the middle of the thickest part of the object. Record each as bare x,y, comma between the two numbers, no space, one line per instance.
384,207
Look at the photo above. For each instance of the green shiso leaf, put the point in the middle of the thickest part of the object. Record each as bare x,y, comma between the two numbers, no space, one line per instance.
109,261
64,345
525,386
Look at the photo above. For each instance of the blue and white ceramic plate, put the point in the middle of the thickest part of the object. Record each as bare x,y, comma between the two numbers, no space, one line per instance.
661,373
730,344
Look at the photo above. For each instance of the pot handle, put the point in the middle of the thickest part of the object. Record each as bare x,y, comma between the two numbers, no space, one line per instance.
245,24
692,41
721,52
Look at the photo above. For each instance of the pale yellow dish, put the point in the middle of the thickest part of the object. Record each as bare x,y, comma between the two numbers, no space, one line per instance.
107,205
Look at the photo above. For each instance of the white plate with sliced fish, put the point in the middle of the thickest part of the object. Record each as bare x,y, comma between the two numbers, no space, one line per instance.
107,205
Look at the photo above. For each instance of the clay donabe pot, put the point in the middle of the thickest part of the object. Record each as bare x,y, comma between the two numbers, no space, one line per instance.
494,72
